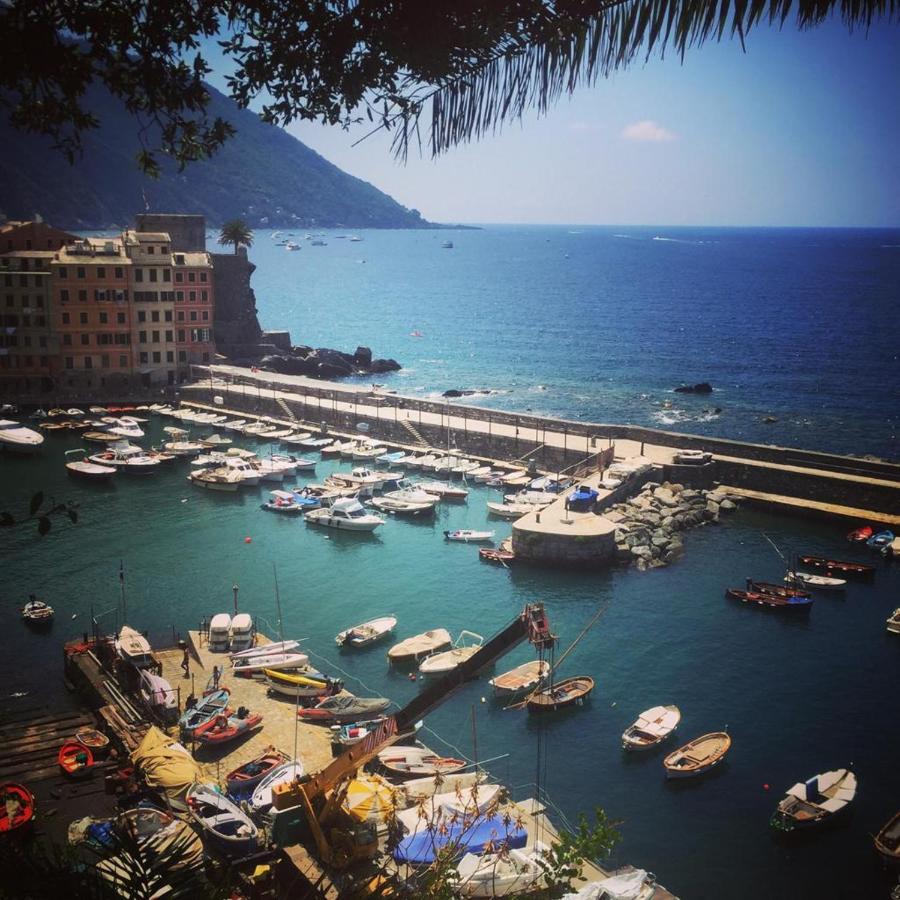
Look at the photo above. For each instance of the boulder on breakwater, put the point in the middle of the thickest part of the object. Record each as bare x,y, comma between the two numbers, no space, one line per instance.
323,362
648,525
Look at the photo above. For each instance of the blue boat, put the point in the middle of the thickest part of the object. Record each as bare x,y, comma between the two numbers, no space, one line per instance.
204,709
419,849
880,540
582,499
391,458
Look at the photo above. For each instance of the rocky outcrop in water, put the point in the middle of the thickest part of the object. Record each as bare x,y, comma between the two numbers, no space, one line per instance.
649,525
323,362
703,387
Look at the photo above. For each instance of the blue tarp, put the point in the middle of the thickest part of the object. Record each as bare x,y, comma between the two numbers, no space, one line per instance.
420,848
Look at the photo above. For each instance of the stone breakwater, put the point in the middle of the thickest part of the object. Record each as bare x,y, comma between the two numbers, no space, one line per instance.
649,525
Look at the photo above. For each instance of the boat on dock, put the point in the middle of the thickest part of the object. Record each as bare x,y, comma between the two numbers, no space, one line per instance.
158,695
344,708
860,535
887,841
249,666
75,760
367,633
302,684
222,823
265,649
812,803
468,536
698,756
412,649
465,647
568,692
651,728
418,762
246,777
818,582
771,601
261,799
37,613
132,647
511,873
204,711
465,837
224,728
521,679
893,621
837,567
16,809
77,465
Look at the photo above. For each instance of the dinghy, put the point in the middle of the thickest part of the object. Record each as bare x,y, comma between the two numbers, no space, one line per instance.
463,836
563,693
414,648
418,762
837,567
887,841
224,728
367,633
779,590
772,601
819,582
513,873
221,822
343,709
880,540
651,728
498,557
249,666
521,679
204,711
814,802
509,510
893,621
283,502
860,535
16,807
78,466
698,756
465,647
37,613
246,777
261,799
265,649
96,741
308,684
75,760
467,536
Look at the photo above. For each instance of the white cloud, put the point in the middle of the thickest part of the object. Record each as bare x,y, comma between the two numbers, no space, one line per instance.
647,130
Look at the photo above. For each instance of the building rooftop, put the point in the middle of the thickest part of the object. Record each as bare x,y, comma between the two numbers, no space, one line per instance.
191,258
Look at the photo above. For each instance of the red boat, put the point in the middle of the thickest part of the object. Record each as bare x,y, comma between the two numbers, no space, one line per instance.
773,601
16,807
498,557
75,759
832,567
779,590
250,774
222,729
859,535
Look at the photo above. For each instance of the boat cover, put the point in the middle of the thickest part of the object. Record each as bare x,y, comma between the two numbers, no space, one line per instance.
420,848
627,886
166,764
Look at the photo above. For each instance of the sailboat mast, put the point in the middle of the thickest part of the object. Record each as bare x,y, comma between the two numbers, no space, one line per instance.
122,591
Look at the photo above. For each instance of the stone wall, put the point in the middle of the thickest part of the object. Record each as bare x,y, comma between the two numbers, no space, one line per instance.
572,551
236,327
187,232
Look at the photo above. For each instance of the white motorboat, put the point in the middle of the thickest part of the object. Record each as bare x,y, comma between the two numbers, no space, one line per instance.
37,613
468,536
265,649
465,647
509,510
512,873
521,679
346,514
134,648
492,475
316,443
261,799
159,696
444,490
130,459
242,632
531,498
234,425
819,582
77,465
222,479
368,450
298,438
257,428
332,449
403,507
651,728
18,438
126,427
275,468
514,478
215,442
426,462
367,633
478,472
184,448
627,884
420,645
359,477
219,633
279,433
410,493
248,472
256,665
464,466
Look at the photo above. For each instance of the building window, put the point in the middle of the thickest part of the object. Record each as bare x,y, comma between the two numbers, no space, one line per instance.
167,315
67,340
23,281
62,272
42,341
65,318
70,362
120,318
10,300
154,316
144,358
192,276
182,356
153,274
180,315
181,335
104,361
179,277
80,272
89,362
170,356
164,249
7,280
205,315
101,271
193,315
179,295
85,339
123,338
167,274
120,272
45,361
192,296
123,362
142,337
169,337
142,316
64,296
82,296
40,321
104,318
155,337
39,301
203,277
151,249
204,296
157,356
138,274
82,317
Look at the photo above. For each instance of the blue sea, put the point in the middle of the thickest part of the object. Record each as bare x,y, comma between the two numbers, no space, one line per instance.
601,324
800,325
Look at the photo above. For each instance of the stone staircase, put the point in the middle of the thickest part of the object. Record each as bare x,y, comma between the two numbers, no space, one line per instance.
414,433
286,410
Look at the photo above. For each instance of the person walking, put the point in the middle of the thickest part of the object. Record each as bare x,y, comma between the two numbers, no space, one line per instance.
186,663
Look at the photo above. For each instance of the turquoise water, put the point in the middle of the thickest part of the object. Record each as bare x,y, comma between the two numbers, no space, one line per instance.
799,696
602,323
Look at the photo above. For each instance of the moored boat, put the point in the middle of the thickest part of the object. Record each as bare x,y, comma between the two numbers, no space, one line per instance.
522,678
344,708
881,540
346,514
19,439
814,802
77,465
443,490
651,728
837,567
698,756
497,556
860,535
465,647
403,507
772,601
37,613
560,694
468,536
367,633
509,510
134,648
221,822
893,621
887,841
75,760
414,648
418,762
283,502
818,582
779,590
485,833
248,775
224,728
16,807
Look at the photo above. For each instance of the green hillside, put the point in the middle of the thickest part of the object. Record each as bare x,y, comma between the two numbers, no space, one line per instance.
261,173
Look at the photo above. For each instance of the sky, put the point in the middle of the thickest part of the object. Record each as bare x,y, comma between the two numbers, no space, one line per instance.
799,128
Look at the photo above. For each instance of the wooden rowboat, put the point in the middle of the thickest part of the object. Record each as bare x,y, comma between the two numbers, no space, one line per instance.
522,678
773,601
812,803
698,756
246,777
893,621
567,692
837,567
96,741
887,841
16,807
75,759
416,762
651,728
780,590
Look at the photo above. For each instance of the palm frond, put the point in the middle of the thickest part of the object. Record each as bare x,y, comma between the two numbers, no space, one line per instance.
576,42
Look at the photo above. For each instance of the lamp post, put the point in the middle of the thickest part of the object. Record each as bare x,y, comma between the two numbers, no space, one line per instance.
234,588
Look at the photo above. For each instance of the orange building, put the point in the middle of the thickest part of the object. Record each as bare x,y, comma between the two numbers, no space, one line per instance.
32,236
194,310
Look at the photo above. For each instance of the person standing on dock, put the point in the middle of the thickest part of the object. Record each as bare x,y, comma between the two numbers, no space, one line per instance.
186,663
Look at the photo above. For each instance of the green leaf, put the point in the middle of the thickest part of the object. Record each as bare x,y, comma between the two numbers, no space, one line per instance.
36,502
44,525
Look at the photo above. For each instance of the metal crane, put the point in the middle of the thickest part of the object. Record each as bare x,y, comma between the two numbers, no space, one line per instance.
344,844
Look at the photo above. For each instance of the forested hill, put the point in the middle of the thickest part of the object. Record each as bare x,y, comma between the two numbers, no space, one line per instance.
261,173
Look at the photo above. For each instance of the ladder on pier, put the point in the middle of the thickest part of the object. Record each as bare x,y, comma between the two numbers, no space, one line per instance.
413,431
286,409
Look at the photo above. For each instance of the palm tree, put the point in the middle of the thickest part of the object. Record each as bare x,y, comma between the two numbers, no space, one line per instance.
236,232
